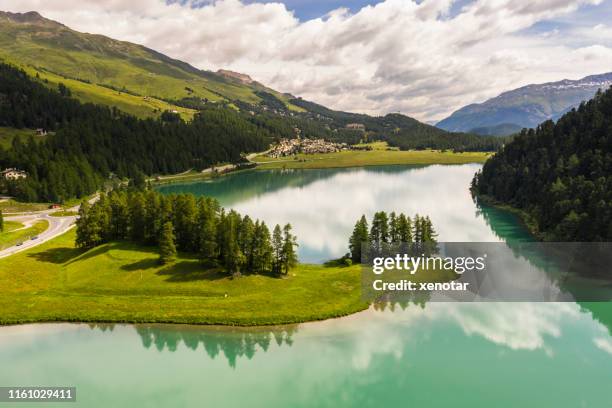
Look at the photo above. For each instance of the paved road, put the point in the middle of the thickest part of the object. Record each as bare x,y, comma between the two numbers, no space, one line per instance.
57,226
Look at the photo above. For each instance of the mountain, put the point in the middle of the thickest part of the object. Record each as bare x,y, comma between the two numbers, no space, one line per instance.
525,107
503,129
103,70
396,129
559,175
88,144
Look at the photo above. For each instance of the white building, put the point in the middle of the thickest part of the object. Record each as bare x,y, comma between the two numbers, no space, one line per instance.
13,174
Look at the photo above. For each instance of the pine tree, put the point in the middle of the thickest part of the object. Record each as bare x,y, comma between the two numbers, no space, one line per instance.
405,228
394,230
167,248
137,211
120,216
184,221
221,231
277,250
429,236
359,239
231,255
89,233
152,217
379,232
289,255
82,228
262,249
101,217
246,236
418,229
207,232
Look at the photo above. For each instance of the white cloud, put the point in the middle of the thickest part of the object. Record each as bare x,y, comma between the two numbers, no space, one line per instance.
604,344
395,56
515,326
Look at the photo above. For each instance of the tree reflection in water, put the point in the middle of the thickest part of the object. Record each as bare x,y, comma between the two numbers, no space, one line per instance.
234,343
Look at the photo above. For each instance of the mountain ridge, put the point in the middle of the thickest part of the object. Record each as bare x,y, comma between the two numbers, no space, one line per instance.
526,106
49,46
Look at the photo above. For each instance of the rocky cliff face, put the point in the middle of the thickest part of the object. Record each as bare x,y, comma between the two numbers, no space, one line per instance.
244,78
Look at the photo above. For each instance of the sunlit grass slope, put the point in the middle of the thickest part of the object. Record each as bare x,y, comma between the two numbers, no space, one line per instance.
122,282
93,64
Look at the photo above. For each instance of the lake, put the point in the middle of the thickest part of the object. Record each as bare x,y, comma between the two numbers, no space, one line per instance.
541,354
323,205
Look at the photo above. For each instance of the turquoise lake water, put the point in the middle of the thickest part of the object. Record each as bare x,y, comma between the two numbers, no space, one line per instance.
433,354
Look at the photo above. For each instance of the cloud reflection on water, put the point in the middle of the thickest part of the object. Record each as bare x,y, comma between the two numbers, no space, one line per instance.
324,212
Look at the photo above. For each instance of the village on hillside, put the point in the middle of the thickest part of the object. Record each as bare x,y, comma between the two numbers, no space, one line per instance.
289,147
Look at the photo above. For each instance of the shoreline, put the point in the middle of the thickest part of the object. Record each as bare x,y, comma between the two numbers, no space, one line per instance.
258,166
524,218
121,282
178,325
203,323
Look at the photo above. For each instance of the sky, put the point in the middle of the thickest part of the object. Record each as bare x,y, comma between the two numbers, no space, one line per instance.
423,58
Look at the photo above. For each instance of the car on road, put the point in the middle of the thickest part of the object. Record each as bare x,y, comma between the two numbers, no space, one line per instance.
19,244
33,238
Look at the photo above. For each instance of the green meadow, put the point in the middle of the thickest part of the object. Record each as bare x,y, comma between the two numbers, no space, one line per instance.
375,157
123,282
15,232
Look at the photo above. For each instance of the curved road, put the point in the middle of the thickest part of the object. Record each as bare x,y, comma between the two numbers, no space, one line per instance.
57,226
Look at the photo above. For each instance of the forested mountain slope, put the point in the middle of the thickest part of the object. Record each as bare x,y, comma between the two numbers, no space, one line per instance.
89,144
96,61
560,174
399,130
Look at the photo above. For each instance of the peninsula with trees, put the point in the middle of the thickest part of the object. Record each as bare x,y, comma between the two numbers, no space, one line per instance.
139,256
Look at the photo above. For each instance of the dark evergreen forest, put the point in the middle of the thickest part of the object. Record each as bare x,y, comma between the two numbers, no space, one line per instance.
560,174
183,223
87,144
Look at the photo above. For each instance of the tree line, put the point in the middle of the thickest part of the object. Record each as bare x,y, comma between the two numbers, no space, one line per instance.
398,130
183,223
560,174
391,232
87,144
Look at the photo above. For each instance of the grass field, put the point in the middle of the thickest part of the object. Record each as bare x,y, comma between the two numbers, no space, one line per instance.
13,233
64,213
12,206
123,282
378,156
11,226
191,175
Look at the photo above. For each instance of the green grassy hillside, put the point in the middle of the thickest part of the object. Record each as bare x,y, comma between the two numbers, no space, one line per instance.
99,69
122,282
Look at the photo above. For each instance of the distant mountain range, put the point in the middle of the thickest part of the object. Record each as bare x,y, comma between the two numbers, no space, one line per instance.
525,107
146,83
